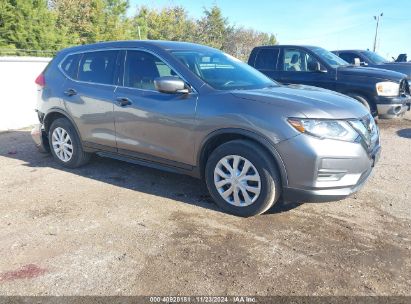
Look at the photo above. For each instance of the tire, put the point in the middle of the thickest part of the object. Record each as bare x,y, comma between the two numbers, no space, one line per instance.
78,157
262,167
372,109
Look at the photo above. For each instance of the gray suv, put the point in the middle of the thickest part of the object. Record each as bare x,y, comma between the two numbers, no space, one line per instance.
195,110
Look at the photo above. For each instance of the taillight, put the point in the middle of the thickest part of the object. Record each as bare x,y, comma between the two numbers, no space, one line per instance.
40,80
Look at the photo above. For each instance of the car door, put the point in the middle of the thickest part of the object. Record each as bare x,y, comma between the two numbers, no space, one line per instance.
302,67
266,61
152,125
89,96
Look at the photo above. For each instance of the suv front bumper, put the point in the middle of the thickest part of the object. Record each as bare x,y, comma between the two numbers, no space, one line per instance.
322,170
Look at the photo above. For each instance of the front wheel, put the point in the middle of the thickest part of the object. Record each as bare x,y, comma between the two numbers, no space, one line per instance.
242,178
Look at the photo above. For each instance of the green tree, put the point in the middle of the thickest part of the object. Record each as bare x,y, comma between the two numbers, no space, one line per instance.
272,40
169,23
79,20
27,25
88,21
240,41
55,24
6,29
213,28
140,23
116,25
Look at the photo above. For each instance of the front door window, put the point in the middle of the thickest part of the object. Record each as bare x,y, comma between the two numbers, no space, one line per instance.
142,68
300,61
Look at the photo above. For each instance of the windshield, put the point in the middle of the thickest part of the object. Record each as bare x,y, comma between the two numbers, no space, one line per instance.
222,71
330,58
374,57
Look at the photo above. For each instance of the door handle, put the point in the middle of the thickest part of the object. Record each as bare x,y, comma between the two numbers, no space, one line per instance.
70,92
123,101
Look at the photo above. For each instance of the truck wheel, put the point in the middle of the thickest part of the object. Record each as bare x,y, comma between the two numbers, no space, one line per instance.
242,178
65,144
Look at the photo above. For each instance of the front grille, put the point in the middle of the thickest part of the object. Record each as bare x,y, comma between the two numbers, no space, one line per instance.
368,131
372,131
404,88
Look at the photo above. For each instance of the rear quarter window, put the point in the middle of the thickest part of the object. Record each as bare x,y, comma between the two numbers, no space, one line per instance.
266,59
70,65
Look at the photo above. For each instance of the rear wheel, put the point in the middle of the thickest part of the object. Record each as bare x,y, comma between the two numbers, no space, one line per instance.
65,145
242,178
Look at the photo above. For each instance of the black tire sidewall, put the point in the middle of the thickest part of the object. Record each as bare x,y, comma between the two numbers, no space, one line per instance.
270,182
65,124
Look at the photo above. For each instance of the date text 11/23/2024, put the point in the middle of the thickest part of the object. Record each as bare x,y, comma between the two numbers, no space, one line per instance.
202,299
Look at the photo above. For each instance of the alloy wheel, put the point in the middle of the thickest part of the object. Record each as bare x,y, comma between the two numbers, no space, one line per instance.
62,144
237,180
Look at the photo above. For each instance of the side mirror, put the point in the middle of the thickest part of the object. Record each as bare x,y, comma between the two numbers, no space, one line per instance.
357,62
322,69
171,85
319,68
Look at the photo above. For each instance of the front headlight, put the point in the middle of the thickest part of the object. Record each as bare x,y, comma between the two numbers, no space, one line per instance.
332,129
388,88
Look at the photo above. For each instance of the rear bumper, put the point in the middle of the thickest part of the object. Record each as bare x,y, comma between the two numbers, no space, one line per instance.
40,138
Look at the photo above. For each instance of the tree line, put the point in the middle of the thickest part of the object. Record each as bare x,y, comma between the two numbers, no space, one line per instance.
49,25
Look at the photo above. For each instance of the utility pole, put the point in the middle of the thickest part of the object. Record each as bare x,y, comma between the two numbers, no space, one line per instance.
376,30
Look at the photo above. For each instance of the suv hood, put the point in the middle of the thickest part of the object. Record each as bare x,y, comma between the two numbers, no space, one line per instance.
370,72
312,102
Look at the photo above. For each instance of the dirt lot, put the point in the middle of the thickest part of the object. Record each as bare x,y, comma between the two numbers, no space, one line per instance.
112,228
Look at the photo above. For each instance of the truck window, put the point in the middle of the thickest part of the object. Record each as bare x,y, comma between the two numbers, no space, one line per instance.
267,59
299,61
349,57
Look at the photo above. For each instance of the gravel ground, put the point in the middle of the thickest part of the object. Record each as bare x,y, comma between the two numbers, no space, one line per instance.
112,228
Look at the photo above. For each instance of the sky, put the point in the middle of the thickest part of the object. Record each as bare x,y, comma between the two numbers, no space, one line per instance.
331,24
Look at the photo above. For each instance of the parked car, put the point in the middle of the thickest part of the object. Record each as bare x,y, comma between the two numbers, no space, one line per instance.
373,60
384,93
192,109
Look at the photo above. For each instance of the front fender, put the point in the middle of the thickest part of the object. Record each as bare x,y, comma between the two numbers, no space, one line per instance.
246,134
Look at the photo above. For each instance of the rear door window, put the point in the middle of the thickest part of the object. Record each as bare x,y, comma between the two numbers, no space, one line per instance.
98,67
267,59
70,65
